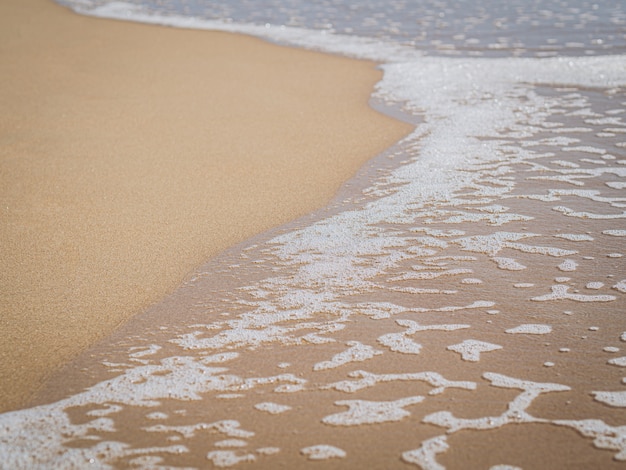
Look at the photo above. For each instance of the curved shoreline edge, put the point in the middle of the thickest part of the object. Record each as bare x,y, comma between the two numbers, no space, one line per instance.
133,153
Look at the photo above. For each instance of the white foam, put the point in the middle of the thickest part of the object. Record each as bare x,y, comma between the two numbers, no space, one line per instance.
620,286
618,361
585,149
231,443
272,408
576,237
595,285
366,380
470,349
508,264
568,265
398,342
371,412
478,129
230,428
530,329
516,410
230,396
430,275
323,452
425,456
228,458
109,409
604,436
358,352
494,243
588,215
141,352
560,292
268,450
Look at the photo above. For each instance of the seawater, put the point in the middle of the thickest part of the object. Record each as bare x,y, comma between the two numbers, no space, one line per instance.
460,304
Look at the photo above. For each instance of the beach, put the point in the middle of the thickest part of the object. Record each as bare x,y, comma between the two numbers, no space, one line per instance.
132,153
456,300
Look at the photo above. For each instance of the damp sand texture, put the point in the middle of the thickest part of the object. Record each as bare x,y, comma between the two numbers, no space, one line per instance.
132,153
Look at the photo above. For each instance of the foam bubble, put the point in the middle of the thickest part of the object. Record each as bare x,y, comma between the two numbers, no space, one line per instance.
470,349
366,379
604,436
323,452
620,286
530,329
228,458
585,149
268,450
508,264
358,352
568,265
425,456
479,128
575,237
230,428
398,342
371,412
141,352
618,361
560,292
516,410
594,285
231,443
272,408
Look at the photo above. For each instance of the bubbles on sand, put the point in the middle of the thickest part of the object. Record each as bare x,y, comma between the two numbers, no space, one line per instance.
530,329
357,352
323,452
371,412
229,458
450,288
470,349
272,408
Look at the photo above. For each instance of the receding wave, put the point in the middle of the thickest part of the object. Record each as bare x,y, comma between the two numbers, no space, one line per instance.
466,289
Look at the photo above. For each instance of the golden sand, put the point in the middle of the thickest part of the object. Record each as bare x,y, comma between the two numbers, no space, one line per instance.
132,153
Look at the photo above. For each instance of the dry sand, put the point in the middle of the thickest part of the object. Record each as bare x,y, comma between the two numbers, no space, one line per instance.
132,153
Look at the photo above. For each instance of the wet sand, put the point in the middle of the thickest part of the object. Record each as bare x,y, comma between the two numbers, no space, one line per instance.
132,153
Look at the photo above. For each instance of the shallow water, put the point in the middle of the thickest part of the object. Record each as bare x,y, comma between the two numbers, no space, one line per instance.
440,27
459,305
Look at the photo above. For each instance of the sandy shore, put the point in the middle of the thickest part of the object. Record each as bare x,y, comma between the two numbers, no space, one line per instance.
132,153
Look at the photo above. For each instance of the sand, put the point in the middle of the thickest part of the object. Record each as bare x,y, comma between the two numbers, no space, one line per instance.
130,154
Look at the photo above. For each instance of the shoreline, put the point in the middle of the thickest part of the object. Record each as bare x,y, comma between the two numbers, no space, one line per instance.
127,164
